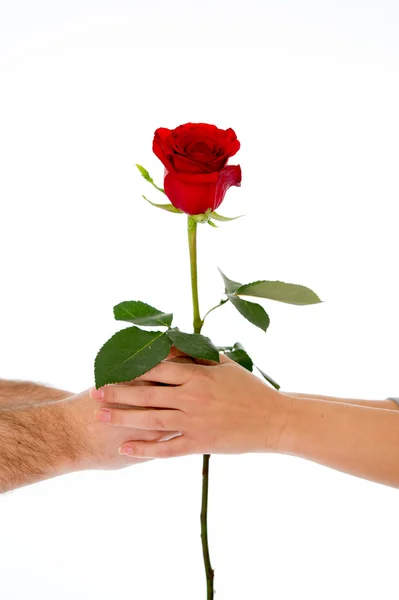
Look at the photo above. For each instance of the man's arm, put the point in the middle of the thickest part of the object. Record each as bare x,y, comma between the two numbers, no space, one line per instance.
15,392
37,440
45,432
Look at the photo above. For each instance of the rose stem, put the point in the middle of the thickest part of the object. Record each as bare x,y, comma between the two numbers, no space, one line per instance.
192,242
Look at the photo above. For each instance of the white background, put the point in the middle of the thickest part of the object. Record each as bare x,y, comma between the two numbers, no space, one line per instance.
311,89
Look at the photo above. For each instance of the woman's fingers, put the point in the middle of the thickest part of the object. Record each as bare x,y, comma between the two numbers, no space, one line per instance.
224,359
175,353
153,420
178,446
139,396
170,372
173,372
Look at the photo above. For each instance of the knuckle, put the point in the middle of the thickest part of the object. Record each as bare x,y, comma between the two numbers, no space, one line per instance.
192,371
112,394
159,422
204,377
118,416
146,395
153,421
202,396
113,416
162,370
137,450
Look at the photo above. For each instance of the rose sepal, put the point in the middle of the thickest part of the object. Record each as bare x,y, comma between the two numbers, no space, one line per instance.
217,217
144,173
167,207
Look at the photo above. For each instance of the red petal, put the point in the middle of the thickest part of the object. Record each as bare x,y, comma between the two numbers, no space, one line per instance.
192,196
159,144
218,164
231,175
195,194
163,133
183,164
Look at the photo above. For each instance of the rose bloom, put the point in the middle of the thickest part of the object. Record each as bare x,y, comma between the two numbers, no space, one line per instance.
195,157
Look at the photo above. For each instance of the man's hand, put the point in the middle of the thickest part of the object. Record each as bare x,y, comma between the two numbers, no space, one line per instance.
46,432
217,409
100,443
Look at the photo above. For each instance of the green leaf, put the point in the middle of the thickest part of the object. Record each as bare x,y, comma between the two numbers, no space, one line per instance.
269,379
212,224
168,207
241,357
255,313
148,177
128,354
279,291
230,286
134,311
217,217
194,344
238,346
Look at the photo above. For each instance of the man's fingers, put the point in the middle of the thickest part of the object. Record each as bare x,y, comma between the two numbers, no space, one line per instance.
153,420
178,446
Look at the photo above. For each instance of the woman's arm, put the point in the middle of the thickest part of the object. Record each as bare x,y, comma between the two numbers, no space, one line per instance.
388,404
361,440
225,409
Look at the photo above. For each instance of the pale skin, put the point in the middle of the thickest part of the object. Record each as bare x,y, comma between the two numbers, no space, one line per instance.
225,409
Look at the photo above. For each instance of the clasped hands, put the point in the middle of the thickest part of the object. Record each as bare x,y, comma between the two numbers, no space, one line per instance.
181,407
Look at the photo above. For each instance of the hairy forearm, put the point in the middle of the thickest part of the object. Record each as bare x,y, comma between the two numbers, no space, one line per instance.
16,392
358,439
37,437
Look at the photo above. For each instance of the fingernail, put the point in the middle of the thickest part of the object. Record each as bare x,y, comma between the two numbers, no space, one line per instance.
125,450
102,415
96,394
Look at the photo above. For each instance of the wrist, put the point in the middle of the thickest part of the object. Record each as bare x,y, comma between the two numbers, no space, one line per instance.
282,408
78,454
37,443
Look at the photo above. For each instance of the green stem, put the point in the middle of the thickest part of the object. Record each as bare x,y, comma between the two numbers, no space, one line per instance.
192,244
204,528
198,323
214,308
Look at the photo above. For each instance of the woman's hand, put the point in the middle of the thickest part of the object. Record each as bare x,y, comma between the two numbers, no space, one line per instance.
216,409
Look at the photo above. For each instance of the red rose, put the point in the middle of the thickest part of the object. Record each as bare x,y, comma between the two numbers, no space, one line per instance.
195,156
